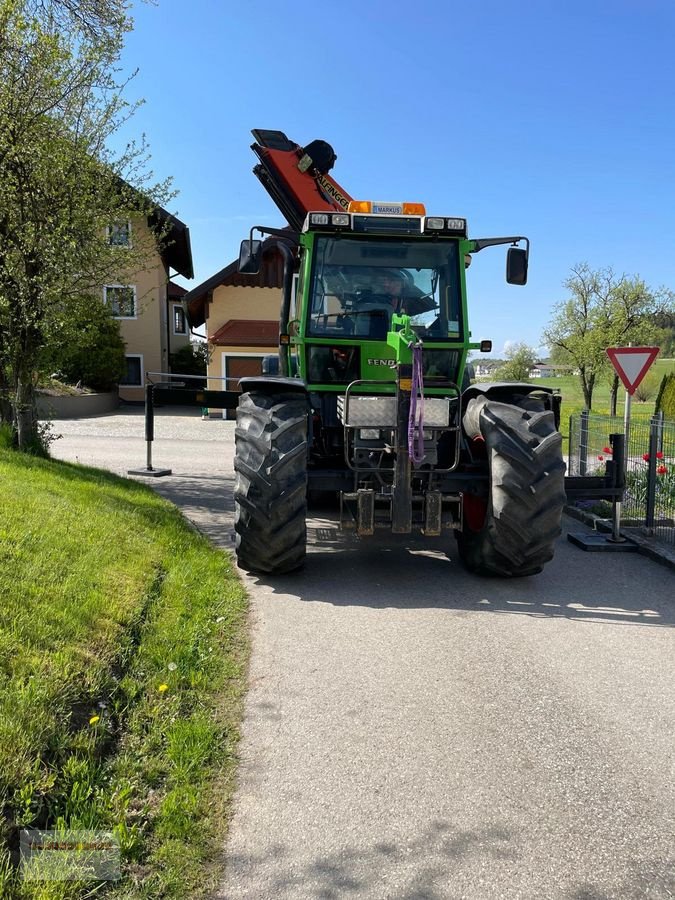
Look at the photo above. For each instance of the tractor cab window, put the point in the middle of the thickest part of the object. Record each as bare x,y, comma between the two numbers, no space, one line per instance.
357,285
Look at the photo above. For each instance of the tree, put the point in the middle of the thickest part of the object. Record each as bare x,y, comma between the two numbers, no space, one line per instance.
86,345
519,360
602,311
664,323
60,103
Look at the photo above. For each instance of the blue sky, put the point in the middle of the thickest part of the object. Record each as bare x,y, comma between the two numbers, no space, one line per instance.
554,120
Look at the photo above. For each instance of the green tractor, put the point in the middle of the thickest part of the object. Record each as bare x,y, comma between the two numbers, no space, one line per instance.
370,398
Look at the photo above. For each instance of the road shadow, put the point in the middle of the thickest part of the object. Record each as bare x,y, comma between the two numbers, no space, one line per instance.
403,572
443,861
434,855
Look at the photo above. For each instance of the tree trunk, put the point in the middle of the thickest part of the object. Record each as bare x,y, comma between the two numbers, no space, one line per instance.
25,413
6,409
613,395
587,382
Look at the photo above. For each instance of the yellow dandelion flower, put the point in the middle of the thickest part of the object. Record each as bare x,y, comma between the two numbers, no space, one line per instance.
162,688
94,720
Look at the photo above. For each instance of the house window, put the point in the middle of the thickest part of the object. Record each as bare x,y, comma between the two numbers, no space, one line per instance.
134,374
119,234
122,300
179,323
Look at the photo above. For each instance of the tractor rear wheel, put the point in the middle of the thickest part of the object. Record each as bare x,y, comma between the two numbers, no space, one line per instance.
271,482
514,533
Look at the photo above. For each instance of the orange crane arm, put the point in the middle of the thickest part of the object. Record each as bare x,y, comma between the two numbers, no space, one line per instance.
297,177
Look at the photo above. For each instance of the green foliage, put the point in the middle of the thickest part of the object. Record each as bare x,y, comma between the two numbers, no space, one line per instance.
6,436
664,325
637,487
602,311
122,660
192,359
647,389
665,400
519,360
85,345
60,105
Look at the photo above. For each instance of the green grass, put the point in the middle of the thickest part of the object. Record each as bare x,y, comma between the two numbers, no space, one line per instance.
108,594
569,387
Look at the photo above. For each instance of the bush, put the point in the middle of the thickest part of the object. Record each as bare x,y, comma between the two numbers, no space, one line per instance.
86,346
6,436
665,400
190,360
647,388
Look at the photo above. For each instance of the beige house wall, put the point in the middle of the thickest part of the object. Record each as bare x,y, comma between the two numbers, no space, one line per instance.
150,334
242,303
238,303
230,302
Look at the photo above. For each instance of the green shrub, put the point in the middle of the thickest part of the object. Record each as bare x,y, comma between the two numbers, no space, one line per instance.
192,359
86,345
665,400
6,436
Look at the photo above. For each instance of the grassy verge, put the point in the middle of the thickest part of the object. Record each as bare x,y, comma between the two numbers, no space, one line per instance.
569,387
122,661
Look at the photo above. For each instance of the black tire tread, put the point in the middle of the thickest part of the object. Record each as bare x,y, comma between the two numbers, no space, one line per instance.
270,488
527,495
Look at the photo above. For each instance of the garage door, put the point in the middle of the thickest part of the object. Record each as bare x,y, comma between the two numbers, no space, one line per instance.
239,367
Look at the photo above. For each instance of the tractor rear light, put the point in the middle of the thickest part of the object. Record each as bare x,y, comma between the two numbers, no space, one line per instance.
369,434
318,219
341,219
435,224
486,346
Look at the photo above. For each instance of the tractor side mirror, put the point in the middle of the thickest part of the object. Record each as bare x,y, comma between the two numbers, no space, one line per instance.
250,257
516,265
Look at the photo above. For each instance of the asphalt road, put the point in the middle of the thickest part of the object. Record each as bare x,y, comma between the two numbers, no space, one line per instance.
412,731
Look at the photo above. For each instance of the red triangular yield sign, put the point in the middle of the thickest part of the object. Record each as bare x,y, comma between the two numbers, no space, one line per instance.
632,363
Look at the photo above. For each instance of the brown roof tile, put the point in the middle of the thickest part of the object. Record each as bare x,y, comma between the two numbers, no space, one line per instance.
247,333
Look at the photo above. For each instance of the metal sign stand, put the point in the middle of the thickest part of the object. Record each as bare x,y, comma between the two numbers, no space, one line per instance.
596,541
149,470
177,393
631,365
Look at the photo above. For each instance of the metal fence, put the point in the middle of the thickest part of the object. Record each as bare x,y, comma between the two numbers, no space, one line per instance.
650,466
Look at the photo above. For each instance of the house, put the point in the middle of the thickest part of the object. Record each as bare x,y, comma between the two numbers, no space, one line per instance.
485,369
547,370
148,305
241,314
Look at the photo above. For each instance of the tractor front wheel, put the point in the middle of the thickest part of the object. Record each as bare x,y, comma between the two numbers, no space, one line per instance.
512,531
271,482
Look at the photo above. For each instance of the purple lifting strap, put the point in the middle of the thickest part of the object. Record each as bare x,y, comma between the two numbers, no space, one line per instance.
416,450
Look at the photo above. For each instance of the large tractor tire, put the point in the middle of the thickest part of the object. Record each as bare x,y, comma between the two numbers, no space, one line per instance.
513,532
271,482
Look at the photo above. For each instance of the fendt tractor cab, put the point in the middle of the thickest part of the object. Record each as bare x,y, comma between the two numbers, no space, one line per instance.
370,395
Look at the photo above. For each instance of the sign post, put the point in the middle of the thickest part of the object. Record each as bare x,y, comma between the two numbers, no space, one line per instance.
631,365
